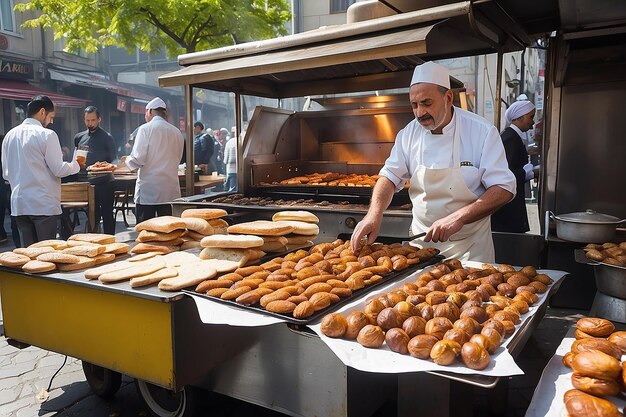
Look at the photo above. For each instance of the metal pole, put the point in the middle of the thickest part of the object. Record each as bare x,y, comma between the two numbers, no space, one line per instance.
239,140
498,89
190,170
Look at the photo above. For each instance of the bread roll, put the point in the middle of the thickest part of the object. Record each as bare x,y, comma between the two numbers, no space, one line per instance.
163,224
595,327
188,275
298,215
99,238
261,228
58,258
90,251
147,248
55,243
37,267
232,241
83,262
303,228
579,404
204,213
150,236
33,253
117,248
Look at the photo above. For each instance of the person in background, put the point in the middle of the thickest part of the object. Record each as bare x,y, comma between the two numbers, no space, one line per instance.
221,140
233,132
155,156
512,217
202,147
230,161
101,148
457,169
5,203
33,164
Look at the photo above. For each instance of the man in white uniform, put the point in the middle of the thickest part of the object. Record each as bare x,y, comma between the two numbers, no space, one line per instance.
457,169
32,162
156,153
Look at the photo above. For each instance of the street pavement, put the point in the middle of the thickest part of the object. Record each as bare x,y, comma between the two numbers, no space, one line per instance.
26,373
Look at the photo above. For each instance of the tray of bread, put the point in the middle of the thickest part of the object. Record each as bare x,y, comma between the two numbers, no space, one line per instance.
306,284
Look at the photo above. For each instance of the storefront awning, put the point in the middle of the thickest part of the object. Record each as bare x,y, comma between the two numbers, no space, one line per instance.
15,90
93,80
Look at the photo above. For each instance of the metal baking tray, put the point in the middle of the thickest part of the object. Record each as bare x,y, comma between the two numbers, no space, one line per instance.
356,294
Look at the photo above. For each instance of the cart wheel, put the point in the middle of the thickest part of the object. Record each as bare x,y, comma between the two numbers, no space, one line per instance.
163,402
102,381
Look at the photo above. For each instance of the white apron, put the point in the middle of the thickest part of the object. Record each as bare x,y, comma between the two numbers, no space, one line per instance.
438,192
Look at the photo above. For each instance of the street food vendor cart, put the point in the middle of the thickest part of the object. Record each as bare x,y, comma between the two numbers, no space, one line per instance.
159,339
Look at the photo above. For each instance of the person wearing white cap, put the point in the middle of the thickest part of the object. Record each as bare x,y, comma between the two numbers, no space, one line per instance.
155,156
457,169
512,217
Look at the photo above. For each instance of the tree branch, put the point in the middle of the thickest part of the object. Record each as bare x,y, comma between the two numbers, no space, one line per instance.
156,22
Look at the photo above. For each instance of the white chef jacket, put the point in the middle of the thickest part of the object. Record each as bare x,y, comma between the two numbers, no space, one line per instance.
156,154
32,162
483,160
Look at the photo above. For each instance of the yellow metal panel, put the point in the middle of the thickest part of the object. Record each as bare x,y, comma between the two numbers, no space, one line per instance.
126,334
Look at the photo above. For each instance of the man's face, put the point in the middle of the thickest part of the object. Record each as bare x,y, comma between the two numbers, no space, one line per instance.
527,121
48,118
197,130
92,121
148,115
430,106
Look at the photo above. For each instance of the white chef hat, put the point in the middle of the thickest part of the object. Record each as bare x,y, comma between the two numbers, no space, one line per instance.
522,97
432,73
155,103
517,110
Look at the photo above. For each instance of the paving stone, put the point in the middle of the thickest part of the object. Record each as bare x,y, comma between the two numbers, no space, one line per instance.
6,349
63,379
28,389
54,360
15,370
9,382
33,410
9,394
61,398
8,409
29,356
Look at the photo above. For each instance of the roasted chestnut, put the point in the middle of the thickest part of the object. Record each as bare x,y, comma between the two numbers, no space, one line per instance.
436,297
539,286
449,310
406,310
374,307
517,280
334,325
474,356
438,326
397,340
543,278
416,299
421,345
485,342
491,333
425,310
414,326
468,325
509,328
458,335
496,325
389,318
356,321
444,352
371,336
477,313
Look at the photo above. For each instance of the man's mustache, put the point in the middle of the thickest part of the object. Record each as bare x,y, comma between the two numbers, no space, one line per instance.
424,118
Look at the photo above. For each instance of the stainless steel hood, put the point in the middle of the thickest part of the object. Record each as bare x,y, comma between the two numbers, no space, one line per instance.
364,56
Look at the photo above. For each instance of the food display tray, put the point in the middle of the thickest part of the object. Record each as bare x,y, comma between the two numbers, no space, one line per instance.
356,294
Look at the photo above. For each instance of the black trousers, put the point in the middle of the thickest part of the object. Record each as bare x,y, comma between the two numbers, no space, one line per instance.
149,211
36,228
104,195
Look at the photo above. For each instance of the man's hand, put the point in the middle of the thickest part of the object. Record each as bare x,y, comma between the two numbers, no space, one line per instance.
81,161
442,229
365,232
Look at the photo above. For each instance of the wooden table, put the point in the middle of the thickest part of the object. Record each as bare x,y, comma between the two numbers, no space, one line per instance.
207,181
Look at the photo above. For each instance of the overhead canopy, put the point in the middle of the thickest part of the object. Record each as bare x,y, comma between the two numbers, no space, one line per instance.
371,55
95,81
15,90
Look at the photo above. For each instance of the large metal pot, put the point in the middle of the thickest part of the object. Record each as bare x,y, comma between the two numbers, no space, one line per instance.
585,227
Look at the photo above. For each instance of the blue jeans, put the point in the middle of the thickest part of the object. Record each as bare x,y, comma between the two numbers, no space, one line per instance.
231,182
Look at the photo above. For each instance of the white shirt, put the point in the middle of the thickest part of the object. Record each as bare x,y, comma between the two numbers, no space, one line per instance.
32,162
156,154
230,156
483,160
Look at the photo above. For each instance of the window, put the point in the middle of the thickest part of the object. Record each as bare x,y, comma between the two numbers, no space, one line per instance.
340,6
7,19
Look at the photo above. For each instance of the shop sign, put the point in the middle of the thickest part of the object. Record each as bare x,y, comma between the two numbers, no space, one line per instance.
122,105
15,69
137,108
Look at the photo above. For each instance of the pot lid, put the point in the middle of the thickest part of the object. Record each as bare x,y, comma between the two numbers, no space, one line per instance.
589,216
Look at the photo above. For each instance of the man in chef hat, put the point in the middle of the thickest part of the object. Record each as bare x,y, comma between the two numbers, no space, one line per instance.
512,217
457,169
155,156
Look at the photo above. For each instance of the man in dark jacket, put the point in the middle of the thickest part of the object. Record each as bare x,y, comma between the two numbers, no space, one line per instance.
512,217
101,147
